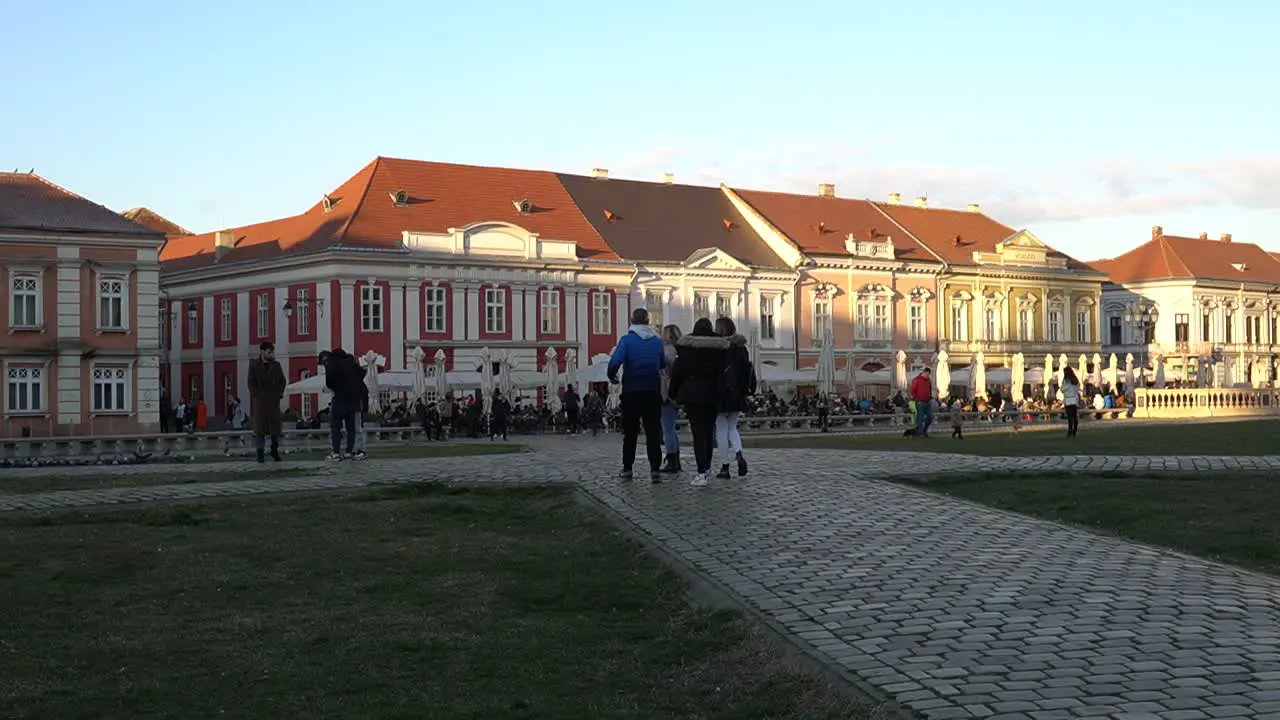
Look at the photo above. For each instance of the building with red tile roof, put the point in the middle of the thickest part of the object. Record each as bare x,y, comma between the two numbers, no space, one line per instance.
82,352
1205,308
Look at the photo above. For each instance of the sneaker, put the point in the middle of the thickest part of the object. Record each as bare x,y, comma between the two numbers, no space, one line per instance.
742,465
262,456
334,457
700,479
655,476
724,472
360,455
624,475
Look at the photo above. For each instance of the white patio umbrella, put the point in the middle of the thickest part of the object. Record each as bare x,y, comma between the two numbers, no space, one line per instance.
442,377
486,378
1114,370
1017,376
552,369
1062,367
827,366
850,375
1082,369
942,374
505,382
1128,371
1097,369
980,374
571,369
312,385
417,365
371,361
900,371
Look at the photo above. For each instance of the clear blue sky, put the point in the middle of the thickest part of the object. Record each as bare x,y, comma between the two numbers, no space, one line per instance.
1088,122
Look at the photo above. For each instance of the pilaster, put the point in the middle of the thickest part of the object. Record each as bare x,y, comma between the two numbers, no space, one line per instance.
348,317
413,312
396,317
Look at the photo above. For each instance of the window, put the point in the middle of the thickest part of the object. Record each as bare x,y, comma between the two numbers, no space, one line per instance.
701,306
768,328
307,398
1230,318
24,298
601,313
1055,325
228,390
303,311
1026,324
111,303
959,320
25,391
917,328
1253,330
1082,326
861,320
1271,338
821,318
193,388
550,303
724,306
264,316
871,318
371,308
993,323
110,389
1116,330
433,307
880,316
653,302
224,319
193,326
495,310
1181,328
1206,327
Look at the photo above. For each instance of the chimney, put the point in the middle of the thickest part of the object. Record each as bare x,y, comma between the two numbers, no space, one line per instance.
1226,237
1157,232
1204,236
974,207
668,178
826,190
223,242
600,173
895,198
922,201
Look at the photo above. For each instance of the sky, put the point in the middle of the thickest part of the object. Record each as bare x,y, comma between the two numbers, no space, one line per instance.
1085,122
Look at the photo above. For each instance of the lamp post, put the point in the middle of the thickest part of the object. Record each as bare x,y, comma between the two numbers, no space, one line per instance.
1143,319
290,304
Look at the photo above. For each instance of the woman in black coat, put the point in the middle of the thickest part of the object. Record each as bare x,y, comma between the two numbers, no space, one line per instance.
695,384
737,384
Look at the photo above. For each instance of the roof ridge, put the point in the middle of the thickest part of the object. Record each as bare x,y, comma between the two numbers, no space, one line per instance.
372,167
910,234
1167,250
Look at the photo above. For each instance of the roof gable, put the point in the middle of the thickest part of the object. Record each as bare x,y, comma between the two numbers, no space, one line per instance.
150,219
714,259
961,236
30,203
1168,257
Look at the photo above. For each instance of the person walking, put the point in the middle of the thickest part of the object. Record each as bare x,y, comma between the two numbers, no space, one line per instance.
695,383
1071,400
640,357
266,388
572,408
498,415
345,379
670,410
737,383
922,396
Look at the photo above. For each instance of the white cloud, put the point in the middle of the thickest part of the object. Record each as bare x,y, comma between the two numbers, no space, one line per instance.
1096,188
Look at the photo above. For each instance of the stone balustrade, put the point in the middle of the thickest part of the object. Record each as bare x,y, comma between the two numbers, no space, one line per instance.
239,442
1204,402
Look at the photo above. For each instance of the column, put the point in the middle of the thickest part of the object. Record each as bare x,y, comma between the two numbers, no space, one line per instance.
413,313
206,351
282,334
571,315
458,301
347,317
531,300
322,317
69,402
244,346
584,317
396,317
473,312
177,316
517,313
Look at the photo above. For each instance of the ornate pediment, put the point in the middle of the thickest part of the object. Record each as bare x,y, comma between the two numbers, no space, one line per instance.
1021,248
880,248
714,259
875,290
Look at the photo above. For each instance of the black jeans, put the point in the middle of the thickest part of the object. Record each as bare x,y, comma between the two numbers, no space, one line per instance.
702,425
1073,419
642,408
571,419
342,416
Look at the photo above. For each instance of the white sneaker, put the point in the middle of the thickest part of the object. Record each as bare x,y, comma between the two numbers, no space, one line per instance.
334,457
700,480
360,455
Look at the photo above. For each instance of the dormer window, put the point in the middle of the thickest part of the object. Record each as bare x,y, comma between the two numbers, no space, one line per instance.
1240,267
400,197
524,207
327,203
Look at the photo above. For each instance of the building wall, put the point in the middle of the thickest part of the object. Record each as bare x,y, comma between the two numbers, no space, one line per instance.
73,370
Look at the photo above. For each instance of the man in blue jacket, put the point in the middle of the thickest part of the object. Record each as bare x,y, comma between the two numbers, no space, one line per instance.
641,358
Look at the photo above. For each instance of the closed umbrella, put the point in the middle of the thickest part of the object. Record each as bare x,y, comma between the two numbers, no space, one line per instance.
827,366
571,369
371,361
505,383
942,374
442,377
1128,371
900,371
1017,376
980,374
1114,370
552,369
850,375
1097,369
417,365
486,378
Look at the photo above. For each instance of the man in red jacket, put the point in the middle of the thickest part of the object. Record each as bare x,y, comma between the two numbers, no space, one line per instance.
922,396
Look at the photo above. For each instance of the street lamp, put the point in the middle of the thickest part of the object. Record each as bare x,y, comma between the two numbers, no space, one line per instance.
289,305
193,311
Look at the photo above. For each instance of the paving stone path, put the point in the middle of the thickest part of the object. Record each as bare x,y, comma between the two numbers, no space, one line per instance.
955,610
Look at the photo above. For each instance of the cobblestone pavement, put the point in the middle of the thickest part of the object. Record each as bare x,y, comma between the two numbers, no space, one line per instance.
956,610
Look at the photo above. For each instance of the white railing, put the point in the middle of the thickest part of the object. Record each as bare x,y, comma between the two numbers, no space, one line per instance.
1204,402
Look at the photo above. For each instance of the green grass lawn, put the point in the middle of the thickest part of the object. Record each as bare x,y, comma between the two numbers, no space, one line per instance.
155,475
1257,437
411,602
1228,517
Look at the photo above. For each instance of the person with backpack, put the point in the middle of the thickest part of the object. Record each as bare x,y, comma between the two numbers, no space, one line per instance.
737,383
695,384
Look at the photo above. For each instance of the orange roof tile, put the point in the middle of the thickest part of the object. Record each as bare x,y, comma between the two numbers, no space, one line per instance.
1166,257
955,235
819,225
30,203
149,218
437,196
